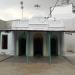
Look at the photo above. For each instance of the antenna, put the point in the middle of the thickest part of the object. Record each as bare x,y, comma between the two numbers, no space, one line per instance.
22,7
37,5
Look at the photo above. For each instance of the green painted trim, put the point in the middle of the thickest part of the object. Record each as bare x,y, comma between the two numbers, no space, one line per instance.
61,43
27,46
49,47
17,50
23,35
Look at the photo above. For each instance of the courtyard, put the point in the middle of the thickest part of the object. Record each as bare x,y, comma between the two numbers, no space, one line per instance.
17,66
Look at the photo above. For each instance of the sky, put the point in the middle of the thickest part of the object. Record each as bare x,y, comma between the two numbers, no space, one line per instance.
11,9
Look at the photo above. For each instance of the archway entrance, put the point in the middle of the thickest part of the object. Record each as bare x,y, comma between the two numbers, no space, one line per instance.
38,45
54,47
22,47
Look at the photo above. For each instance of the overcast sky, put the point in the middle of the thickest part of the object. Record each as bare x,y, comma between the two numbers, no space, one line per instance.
10,9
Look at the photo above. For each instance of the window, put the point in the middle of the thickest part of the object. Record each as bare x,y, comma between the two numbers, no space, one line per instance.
4,41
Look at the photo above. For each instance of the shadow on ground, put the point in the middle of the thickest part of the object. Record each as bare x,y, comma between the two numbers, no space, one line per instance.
22,59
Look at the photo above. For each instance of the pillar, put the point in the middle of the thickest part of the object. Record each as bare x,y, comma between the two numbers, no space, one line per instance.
0,39
49,46
27,45
61,43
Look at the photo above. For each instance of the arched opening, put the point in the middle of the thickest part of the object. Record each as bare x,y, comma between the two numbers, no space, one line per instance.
38,44
22,46
54,47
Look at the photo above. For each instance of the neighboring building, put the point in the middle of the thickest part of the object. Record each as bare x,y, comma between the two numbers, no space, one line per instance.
38,36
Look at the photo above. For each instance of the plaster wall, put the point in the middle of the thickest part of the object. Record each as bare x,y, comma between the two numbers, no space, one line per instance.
11,47
13,42
69,42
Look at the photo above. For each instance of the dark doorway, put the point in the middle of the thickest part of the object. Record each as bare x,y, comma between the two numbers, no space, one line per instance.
38,46
22,47
4,41
54,47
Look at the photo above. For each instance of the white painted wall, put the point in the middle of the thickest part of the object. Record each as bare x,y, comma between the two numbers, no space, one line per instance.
37,23
69,42
19,23
64,9
13,38
61,15
11,48
63,12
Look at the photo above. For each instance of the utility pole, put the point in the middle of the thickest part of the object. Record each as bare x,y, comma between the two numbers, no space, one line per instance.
22,7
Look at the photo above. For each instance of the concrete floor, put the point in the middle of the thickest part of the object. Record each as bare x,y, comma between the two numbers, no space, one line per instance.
15,66
4,57
70,57
32,60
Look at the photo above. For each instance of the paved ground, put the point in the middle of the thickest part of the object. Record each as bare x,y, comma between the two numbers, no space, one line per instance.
70,57
59,66
35,60
4,57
